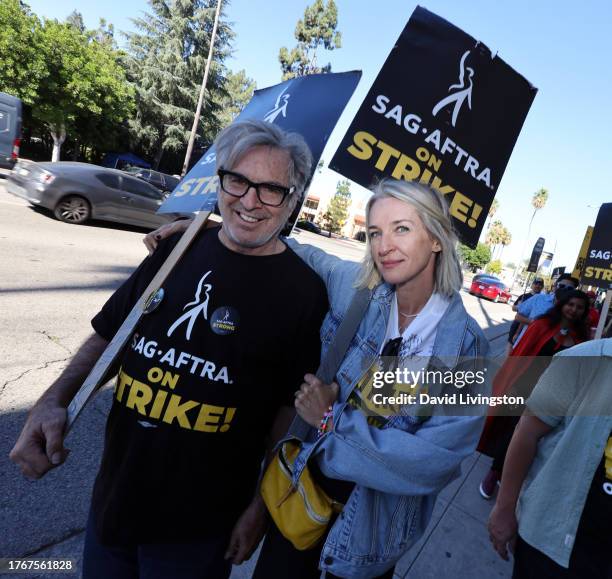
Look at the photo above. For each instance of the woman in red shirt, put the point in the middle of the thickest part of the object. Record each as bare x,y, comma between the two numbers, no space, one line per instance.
563,326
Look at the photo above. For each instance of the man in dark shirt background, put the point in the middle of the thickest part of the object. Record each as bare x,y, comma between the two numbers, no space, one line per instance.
206,379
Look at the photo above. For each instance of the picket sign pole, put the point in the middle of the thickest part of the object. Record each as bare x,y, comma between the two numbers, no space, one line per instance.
95,378
603,316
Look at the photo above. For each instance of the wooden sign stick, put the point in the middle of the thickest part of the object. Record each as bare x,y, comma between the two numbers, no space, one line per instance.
94,380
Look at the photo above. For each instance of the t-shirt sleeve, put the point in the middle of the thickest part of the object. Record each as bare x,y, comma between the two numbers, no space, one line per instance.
113,313
555,391
526,307
306,349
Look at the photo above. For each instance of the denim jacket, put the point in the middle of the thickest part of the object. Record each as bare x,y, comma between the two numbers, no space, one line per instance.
400,469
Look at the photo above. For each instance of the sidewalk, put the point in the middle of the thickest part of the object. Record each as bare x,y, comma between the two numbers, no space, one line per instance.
455,544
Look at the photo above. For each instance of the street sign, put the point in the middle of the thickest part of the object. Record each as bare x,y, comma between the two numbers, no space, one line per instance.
535,255
443,110
556,273
545,262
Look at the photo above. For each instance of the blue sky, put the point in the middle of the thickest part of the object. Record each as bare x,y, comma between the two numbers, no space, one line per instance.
561,47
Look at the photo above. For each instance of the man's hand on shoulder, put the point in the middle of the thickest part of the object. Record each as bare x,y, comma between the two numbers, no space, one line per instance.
40,446
166,230
248,532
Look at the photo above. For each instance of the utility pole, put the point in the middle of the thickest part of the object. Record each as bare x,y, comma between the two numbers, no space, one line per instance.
196,120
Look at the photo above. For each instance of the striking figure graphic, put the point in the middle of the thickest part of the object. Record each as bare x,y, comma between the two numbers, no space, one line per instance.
279,107
461,95
194,312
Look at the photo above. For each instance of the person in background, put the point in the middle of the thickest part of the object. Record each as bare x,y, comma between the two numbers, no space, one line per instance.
533,308
562,327
593,312
558,472
536,287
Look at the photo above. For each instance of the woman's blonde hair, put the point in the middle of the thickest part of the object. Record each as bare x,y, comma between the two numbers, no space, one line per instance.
433,212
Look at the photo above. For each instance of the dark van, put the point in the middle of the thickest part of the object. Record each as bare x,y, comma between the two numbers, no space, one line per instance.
10,129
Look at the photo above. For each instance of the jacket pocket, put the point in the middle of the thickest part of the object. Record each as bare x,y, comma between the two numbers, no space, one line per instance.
403,526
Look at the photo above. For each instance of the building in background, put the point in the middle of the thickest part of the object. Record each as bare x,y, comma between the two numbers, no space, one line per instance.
316,204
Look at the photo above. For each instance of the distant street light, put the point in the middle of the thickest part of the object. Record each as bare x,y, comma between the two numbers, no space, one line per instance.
196,119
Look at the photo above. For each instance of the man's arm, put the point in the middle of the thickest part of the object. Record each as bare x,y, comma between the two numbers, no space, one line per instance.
503,525
40,446
252,524
517,303
525,310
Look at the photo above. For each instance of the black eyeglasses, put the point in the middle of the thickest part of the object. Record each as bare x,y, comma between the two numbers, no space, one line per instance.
238,185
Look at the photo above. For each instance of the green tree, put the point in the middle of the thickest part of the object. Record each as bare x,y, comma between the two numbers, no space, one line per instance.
84,83
167,57
336,214
237,93
75,18
317,29
495,267
476,258
22,65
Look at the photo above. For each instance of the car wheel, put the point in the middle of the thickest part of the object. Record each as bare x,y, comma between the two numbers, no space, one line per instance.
72,209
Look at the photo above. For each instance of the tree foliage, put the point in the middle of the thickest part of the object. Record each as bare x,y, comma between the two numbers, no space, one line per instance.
318,29
167,57
476,258
495,267
539,199
74,84
237,92
22,65
336,214
84,86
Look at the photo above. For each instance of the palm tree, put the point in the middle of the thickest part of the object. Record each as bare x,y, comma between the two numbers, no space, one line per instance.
493,235
538,201
505,239
492,211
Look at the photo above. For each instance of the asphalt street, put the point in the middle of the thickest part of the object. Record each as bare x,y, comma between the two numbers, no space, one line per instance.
53,278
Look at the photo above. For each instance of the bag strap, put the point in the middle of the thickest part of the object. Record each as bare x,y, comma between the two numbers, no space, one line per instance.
333,358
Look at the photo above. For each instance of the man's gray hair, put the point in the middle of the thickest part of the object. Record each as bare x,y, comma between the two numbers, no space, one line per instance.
237,139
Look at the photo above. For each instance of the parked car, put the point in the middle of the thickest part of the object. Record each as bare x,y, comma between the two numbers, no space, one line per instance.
77,192
10,130
491,288
481,275
308,226
163,182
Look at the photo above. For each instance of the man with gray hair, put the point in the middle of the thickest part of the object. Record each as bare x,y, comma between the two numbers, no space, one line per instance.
206,378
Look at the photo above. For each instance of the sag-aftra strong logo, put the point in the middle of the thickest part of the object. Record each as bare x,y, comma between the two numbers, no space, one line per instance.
280,106
198,306
463,91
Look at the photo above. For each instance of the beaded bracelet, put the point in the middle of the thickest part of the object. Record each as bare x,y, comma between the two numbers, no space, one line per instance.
324,424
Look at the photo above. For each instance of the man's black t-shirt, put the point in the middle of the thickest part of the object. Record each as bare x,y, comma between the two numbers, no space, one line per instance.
200,383
593,535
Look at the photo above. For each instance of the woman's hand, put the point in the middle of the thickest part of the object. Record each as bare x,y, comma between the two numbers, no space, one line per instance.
151,239
314,398
503,529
